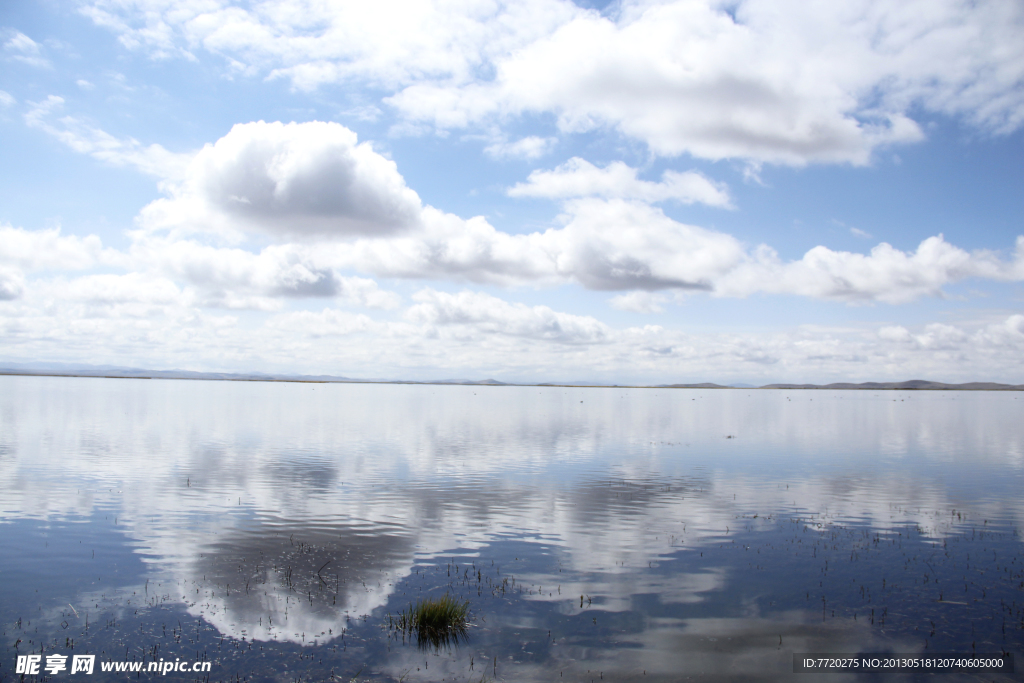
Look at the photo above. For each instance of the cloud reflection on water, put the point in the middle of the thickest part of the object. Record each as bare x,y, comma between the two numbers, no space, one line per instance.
224,488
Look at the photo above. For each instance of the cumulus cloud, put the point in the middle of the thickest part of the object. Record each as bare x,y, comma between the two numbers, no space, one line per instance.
33,250
491,315
619,245
604,245
331,203
289,180
313,180
1007,333
162,270
989,350
6,99
792,83
579,178
885,274
1003,334
614,245
935,336
137,296
12,284
239,279
88,139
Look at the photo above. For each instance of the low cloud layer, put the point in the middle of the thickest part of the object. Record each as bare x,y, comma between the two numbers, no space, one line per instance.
149,321
299,182
885,274
41,250
490,315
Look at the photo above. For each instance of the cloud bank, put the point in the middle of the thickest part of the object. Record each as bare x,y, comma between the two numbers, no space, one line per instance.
327,204
331,203
790,82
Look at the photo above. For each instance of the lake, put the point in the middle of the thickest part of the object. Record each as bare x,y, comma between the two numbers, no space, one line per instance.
271,528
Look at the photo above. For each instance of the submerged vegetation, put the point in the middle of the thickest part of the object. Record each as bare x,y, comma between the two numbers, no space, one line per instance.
436,622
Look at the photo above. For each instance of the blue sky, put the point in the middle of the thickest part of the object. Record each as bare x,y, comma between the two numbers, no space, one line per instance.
540,191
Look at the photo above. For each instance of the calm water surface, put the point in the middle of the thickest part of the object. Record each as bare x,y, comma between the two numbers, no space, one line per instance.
598,534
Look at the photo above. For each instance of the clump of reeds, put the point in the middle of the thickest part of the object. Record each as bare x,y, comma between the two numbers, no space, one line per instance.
436,621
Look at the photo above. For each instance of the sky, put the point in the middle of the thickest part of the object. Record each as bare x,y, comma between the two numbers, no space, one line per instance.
682,191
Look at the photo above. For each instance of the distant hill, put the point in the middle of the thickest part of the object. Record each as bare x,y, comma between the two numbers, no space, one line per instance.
118,372
114,371
492,382
913,385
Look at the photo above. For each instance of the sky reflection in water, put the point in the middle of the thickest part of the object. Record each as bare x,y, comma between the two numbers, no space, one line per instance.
607,534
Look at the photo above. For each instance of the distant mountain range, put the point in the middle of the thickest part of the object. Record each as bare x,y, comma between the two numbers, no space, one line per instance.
113,371
911,385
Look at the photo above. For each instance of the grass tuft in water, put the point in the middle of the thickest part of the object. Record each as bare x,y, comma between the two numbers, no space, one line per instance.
436,621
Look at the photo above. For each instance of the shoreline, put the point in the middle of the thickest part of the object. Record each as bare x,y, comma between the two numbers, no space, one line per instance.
911,385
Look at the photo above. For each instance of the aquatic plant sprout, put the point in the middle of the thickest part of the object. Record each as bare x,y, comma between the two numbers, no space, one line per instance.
436,622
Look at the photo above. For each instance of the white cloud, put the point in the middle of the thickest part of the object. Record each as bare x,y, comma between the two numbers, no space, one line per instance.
605,245
895,333
139,296
364,292
638,302
579,178
477,334
789,82
327,323
25,50
886,274
12,284
87,139
314,180
236,278
1006,334
6,99
19,42
386,43
84,84
614,245
33,250
530,147
118,289
294,180
491,315
619,245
